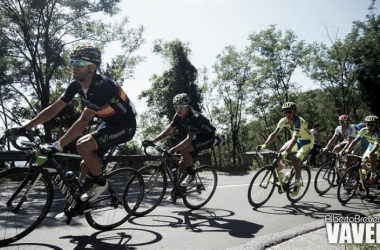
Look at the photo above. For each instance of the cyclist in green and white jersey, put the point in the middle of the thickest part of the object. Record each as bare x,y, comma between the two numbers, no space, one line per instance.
302,140
372,133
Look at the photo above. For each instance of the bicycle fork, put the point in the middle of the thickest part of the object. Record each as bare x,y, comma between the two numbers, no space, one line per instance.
26,193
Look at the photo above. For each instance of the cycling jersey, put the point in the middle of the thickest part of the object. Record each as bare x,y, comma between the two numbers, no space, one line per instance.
299,128
104,97
195,122
350,132
372,138
305,138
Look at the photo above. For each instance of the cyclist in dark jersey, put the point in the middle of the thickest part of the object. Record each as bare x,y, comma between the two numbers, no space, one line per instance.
106,100
200,136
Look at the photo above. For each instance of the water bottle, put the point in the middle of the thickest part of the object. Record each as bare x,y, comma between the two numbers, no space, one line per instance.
175,174
72,180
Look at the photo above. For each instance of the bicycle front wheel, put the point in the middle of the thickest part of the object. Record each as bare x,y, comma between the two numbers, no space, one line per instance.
348,185
305,183
261,187
20,215
108,211
324,179
155,183
200,191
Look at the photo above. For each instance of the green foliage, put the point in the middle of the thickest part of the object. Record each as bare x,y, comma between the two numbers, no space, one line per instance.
179,78
36,39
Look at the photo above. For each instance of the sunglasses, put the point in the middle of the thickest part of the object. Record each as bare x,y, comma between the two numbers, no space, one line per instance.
287,112
342,121
370,124
79,63
179,106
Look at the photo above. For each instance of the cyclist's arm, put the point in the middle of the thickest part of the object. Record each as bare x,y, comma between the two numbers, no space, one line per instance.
332,140
271,137
46,114
185,143
349,141
374,149
352,144
77,128
164,134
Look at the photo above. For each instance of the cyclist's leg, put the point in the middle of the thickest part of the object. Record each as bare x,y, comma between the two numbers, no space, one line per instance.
198,144
106,136
304,148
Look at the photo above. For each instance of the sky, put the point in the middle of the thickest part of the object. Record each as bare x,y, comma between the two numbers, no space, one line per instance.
211,25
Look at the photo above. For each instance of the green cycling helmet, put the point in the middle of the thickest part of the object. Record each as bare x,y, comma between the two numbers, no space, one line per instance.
182,99
87,53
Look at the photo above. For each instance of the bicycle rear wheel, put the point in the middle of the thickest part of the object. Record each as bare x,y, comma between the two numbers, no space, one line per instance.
17,222
324,179
348,185
305,181
107,211
261,187
155,183
201,190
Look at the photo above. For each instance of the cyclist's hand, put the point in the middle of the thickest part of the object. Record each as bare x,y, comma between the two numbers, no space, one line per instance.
13,132
147,143
259,147
284,154
48,149
168,153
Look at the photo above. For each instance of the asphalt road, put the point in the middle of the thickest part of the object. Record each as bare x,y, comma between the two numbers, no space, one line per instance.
227,221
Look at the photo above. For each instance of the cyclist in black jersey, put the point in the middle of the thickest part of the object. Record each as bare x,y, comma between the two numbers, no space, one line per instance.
200,136
104,99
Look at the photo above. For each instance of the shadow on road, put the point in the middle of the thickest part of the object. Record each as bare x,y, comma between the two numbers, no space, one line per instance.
198,221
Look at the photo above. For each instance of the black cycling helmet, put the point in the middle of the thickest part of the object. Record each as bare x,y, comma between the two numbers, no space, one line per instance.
182,99
87,53
288,106
372,119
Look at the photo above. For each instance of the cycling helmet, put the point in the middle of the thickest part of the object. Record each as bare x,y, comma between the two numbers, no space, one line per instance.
87,53
372,119
289,106
182,98
343,118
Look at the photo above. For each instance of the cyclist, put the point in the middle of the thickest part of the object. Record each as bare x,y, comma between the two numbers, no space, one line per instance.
372,133
347,132
302,141
317,145
106,100
200,136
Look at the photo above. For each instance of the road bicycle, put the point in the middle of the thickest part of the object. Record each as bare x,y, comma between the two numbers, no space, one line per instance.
194,196
353,183
26,195
267,178
329,173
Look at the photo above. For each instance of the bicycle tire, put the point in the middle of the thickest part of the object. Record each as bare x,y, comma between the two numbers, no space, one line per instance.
14,226
348,185
324,179
199,192
108,211
305,179
155,184
261,189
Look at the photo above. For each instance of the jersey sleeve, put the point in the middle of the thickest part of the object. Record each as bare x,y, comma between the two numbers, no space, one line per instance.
280,125
351,131
70,92
175,121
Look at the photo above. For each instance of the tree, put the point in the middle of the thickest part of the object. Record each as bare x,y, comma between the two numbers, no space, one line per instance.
233,70
180,77
37,37
365,37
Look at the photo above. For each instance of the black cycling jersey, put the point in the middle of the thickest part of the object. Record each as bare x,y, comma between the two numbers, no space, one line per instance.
107,99
196,123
